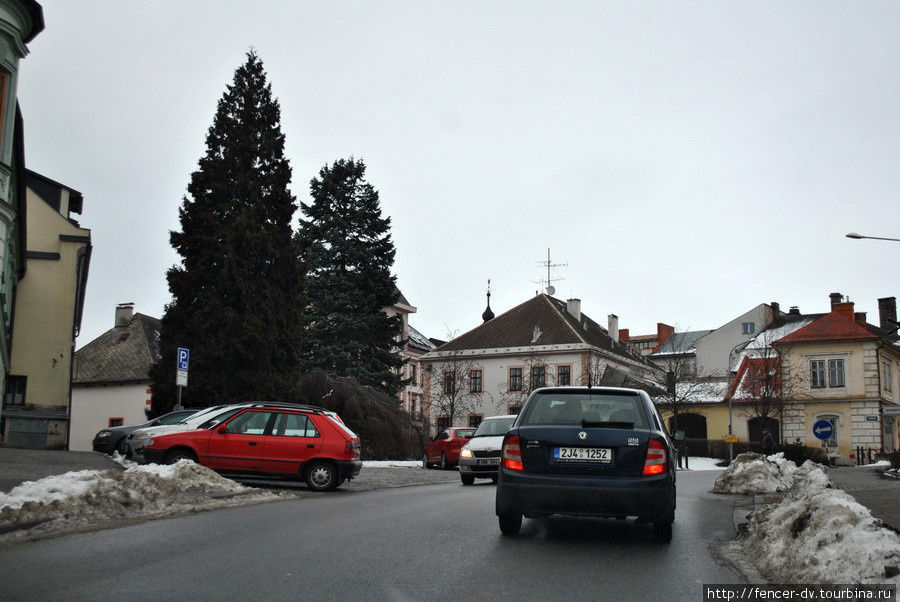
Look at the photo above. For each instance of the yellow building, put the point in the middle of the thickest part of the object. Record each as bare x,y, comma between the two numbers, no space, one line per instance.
47,315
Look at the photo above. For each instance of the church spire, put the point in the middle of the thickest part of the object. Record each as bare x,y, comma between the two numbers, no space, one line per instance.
488,314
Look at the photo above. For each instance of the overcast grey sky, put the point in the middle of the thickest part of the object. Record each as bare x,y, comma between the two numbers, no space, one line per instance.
688,160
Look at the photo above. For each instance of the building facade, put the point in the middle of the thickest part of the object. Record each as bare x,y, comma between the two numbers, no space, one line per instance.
20,22
48,306
544,341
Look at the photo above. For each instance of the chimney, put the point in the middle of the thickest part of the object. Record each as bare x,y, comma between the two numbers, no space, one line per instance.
776,308
835,299
860,318
794,311
845,309
573,306
887,313
624,335
663,332
124,313
613,321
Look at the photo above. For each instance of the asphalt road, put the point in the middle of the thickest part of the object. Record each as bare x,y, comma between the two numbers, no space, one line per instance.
414,543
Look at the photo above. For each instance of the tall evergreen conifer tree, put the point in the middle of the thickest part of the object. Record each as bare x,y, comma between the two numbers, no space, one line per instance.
237,296
347,247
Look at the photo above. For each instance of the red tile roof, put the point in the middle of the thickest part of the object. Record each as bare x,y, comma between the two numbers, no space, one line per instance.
755,378
839,325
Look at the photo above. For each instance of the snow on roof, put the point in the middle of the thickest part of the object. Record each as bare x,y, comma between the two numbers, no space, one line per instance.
419,340
696,391
761,343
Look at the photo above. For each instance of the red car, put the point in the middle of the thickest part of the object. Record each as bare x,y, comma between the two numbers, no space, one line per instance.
282,440
444,449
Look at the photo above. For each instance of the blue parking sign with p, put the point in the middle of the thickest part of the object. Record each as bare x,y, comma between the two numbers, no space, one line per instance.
184,356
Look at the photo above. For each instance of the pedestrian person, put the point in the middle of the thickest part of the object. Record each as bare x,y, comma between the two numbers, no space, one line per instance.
768,442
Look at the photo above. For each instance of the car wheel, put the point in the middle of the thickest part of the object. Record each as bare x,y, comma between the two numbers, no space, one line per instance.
321,476
662,532
467,479
122,446
443,461
510,522
425,461
179,454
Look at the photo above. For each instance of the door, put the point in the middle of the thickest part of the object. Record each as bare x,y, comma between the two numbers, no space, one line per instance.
434,449
294,440
240,447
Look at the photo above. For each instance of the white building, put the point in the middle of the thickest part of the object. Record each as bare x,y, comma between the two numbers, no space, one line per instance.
110,382
544,341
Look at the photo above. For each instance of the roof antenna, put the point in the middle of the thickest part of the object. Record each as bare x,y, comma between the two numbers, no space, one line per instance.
550,289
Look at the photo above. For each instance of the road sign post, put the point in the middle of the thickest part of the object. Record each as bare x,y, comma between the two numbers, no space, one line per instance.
823,429
182,360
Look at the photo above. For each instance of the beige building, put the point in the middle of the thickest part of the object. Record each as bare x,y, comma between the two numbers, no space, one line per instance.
47,316
413,394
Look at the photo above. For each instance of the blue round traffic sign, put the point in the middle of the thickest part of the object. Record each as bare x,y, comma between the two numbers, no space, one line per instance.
823,429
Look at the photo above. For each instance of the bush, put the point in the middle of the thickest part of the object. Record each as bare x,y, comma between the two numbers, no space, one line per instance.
385,430
716,448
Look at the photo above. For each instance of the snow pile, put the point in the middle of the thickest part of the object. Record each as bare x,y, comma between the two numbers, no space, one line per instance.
701,463
818,534
752,473
89,496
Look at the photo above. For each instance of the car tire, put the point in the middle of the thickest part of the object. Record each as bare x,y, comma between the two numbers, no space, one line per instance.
443,461
425,461
122,446
510,522
467,479
662,531
179,454
321,476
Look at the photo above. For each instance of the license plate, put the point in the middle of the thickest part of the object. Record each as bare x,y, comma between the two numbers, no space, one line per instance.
582,454
489,462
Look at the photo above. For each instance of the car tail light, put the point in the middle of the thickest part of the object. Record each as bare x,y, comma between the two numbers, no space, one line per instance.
656,459
353,448
512,453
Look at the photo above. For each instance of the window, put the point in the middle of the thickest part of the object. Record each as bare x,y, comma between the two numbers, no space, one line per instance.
15,390
538,377
835,373
514,409
831,441
443,422
886,377
249,423
515,379
413,374
449,382
748,327
294,425
817,373
569,407
475,420
564,376
475,382
119,421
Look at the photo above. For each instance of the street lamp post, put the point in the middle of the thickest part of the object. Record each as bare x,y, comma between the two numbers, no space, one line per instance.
858,236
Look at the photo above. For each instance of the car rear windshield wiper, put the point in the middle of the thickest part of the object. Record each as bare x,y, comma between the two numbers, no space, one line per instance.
610,424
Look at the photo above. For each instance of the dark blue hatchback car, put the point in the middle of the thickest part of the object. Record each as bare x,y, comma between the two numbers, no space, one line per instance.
587,451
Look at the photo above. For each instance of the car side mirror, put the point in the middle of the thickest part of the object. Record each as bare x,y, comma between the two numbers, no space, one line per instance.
222,429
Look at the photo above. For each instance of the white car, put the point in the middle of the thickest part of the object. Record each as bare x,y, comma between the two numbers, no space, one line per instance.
208,418
480,457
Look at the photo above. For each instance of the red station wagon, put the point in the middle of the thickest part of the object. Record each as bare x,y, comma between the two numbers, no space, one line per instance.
444,448
282,440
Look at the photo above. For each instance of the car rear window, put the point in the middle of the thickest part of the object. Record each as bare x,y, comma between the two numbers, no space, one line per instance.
616,410
465,434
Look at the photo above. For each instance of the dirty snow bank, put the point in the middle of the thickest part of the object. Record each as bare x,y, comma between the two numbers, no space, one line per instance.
752,473
392,464
74,500
814,533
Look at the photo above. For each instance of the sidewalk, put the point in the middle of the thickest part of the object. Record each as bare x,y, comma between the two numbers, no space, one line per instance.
19,465
880,495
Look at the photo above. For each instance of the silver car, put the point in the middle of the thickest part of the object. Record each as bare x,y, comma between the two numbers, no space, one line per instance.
208,418
480,457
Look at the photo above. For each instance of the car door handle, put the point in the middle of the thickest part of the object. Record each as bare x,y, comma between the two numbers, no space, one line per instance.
252,442
310,445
